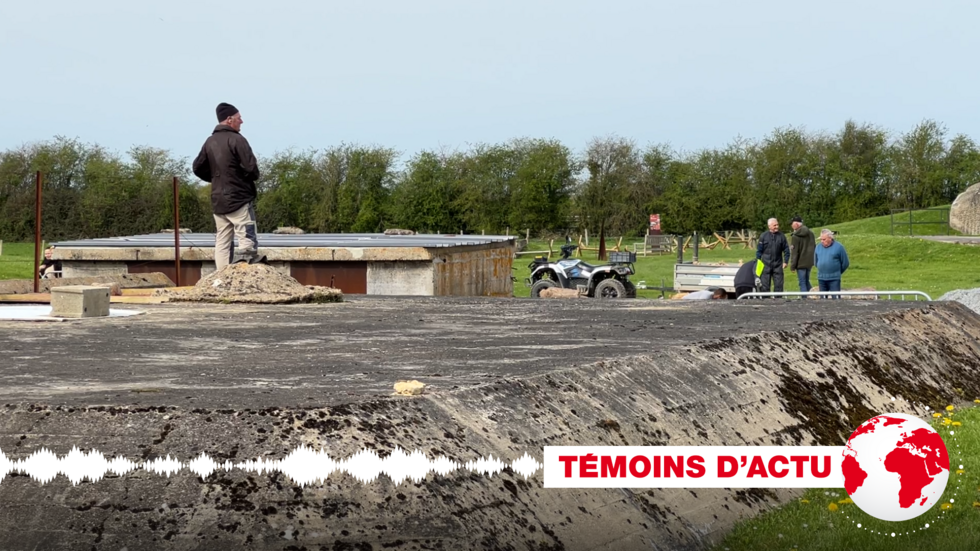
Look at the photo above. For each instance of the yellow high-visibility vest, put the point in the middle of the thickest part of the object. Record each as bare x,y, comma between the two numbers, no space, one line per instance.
759,266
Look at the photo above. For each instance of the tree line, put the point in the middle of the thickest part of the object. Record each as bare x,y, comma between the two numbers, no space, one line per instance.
609,188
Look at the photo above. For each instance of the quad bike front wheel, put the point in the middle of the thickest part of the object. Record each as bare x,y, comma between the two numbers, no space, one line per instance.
541,285
610,288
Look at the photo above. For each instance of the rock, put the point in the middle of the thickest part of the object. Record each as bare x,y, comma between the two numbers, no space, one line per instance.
171,230
399,232
409,388
558,292
288,230
964,214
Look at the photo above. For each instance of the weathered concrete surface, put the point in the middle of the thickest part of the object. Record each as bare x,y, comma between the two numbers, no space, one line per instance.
552,373
70,255
958,239
127,281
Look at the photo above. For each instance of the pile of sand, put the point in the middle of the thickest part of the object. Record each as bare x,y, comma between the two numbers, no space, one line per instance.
252,283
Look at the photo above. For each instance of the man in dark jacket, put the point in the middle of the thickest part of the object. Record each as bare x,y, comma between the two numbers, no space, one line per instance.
801,253
227,162
773,251
746,280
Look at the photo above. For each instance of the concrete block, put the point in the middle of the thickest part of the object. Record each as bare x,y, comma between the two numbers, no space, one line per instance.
79,301
400,278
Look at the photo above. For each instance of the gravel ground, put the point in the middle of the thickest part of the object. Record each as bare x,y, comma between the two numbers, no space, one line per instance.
967,297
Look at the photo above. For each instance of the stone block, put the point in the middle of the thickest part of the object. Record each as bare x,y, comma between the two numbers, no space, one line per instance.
79,301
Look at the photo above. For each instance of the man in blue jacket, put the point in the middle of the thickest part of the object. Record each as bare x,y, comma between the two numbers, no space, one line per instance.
831,261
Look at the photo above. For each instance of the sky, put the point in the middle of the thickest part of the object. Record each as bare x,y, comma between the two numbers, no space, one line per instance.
448,74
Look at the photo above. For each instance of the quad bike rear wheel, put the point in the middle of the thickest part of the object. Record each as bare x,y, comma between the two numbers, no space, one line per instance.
541,285
610,288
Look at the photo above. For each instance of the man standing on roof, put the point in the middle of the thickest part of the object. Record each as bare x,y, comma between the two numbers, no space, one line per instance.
227,162
773,251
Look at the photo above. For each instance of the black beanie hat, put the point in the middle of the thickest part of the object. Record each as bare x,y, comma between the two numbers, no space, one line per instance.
225,110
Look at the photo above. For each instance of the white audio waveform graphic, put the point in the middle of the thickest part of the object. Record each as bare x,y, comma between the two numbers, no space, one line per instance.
303,465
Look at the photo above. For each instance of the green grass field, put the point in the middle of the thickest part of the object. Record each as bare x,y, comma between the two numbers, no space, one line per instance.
16,260
819,521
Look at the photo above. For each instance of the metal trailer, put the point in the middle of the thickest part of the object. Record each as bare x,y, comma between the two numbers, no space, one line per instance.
698,277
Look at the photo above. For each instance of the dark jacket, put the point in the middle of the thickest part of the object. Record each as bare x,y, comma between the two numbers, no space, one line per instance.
801,255
745,276
226,160
771,246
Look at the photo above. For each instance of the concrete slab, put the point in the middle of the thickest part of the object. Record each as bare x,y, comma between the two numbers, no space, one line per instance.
43,313
504,378
222,356
961,239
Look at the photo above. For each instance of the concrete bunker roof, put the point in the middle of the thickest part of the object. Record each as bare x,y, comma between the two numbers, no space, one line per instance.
319,240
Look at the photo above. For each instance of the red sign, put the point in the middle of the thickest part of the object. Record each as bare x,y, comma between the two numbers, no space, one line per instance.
654,223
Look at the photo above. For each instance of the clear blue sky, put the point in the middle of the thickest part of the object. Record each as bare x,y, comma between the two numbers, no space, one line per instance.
429,74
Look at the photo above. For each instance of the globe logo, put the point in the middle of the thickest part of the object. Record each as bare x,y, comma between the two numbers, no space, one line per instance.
895,467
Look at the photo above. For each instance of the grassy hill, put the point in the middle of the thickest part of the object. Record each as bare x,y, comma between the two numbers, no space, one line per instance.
925,222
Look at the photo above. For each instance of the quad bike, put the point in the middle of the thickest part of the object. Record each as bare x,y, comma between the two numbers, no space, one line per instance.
603,281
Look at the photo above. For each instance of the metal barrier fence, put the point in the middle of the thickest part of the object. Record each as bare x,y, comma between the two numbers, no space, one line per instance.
876,294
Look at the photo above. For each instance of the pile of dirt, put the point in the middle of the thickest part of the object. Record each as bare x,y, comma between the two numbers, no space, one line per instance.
252,283
967,297
558,292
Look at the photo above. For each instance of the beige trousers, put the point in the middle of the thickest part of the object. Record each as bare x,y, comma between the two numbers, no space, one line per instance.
240,223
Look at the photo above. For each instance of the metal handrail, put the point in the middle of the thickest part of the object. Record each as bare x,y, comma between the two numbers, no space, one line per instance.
903,294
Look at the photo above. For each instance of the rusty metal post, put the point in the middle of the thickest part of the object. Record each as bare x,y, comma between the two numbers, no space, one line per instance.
177,230
37,232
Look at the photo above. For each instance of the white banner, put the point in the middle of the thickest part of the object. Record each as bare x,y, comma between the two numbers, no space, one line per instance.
693,467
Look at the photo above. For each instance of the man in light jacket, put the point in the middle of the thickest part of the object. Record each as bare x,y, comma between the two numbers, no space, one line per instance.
831,261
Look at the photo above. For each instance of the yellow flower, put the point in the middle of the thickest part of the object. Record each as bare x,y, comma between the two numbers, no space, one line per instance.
976,401
937,414
950,408
845,501
947,422
832,507
957,423
961,471
976,503
804,501
947,506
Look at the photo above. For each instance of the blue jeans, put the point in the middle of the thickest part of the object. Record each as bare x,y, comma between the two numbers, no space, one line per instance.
829,285
803,275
